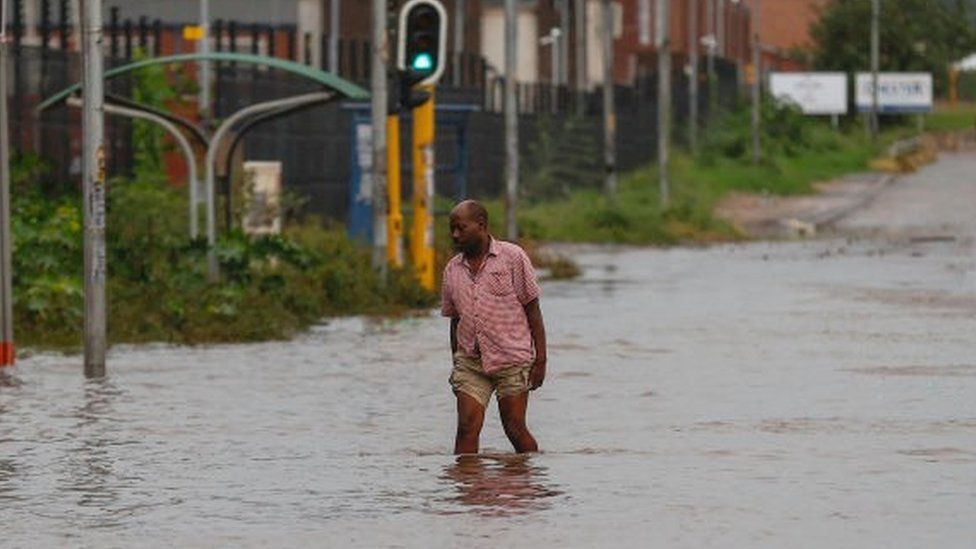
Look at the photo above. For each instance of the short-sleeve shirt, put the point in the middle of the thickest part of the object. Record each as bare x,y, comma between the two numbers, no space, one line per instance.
490,304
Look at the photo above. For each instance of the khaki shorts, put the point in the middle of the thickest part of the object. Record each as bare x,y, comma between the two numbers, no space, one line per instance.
470,378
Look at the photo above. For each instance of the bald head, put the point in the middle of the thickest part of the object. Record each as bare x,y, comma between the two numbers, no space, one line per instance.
471,209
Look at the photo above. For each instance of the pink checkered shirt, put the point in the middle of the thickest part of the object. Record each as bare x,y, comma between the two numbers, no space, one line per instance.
489,305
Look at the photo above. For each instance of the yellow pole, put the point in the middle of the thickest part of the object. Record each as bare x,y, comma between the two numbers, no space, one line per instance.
422,233
394,220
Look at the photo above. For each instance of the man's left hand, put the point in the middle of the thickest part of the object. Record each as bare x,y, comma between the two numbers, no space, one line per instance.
537,374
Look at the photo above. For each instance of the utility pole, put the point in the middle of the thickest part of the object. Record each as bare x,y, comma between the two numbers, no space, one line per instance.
579,13
93,183
609,112
511,123
459,11
662,34
380,57
205,77
334,14
7,355
720,28
564,27
712,43
693,77
552,40
756,80
875,55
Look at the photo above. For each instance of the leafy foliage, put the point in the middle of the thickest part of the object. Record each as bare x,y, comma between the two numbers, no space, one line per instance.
271,286
151,87
915,35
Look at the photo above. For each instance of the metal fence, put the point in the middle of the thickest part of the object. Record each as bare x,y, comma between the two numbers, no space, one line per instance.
560,129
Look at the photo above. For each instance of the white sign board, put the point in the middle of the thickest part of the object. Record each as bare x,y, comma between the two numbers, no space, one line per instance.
813,92
898,92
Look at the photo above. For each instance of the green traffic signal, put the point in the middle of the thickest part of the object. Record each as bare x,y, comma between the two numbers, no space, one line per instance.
421,46
423,62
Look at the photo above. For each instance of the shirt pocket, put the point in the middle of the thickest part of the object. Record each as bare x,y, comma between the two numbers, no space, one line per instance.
499,283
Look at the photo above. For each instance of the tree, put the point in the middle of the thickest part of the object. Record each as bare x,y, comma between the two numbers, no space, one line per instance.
916,35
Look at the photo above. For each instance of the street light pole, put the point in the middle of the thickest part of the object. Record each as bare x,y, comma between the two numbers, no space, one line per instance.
552,40
511,123
459,11
693,77
663,97
756,80
711,45
93,182
7,355
334,13
609,112
875,54
579,14
205,77
380,57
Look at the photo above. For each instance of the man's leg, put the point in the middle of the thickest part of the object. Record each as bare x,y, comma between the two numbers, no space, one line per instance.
512,409
471,416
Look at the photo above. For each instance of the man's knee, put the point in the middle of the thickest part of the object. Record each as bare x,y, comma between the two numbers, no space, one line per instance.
514,426
471,416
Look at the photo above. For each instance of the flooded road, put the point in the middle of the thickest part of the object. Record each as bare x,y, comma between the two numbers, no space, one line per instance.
804,394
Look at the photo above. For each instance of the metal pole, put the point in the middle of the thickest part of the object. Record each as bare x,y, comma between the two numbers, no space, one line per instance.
210,161
712,44
663,97
181,139
581,76
459,10
564,28
380,56
720,28
554,35
394,223
756,80
205,77
693,77
334,12
875,55
511,123
424,166
7,355
93,183
609,112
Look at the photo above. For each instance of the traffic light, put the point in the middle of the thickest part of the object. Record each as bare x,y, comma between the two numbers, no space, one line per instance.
421,40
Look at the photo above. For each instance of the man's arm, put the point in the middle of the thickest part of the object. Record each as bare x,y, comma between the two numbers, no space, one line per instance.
538,331
454,325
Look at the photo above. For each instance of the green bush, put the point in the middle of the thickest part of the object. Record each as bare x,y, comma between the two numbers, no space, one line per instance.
271,286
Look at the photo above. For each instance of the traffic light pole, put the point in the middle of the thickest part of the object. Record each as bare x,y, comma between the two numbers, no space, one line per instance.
422,233
394,221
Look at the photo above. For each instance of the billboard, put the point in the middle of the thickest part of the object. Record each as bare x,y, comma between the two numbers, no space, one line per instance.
898,92
814,92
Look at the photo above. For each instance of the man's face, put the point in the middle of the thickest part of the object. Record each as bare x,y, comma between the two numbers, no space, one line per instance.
466,232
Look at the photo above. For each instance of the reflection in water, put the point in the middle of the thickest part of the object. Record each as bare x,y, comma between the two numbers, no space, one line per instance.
499,485
8,379
90,472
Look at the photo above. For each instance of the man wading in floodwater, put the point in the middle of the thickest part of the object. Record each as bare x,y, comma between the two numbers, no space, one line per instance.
498,340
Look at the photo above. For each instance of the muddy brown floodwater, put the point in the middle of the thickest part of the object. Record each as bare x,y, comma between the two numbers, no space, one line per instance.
804,394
